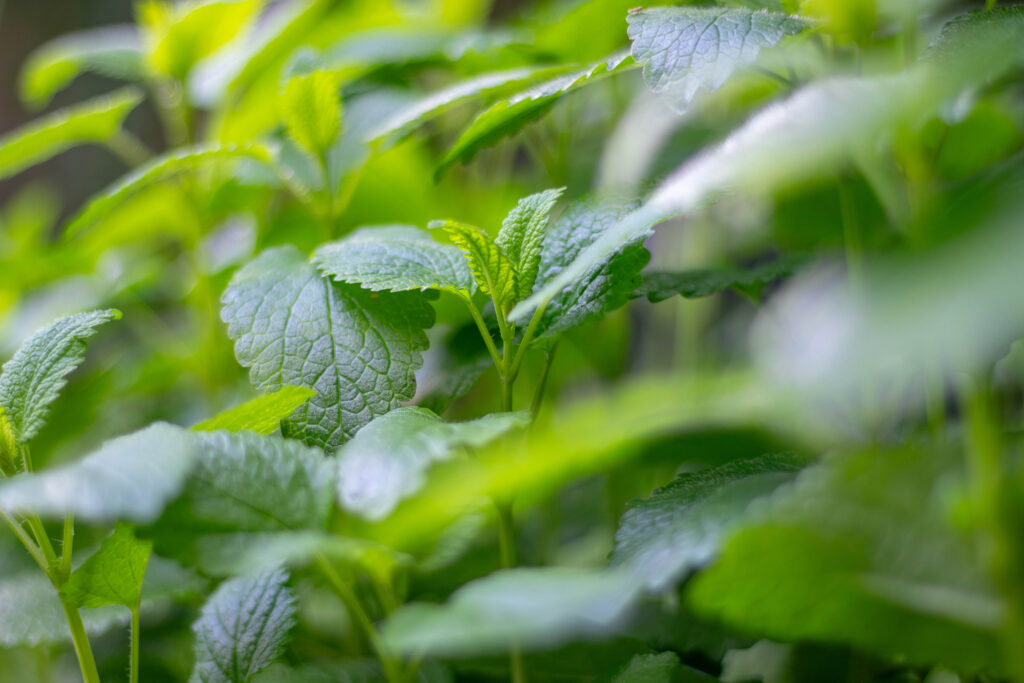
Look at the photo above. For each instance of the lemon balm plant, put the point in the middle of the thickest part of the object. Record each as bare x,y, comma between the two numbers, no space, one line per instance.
380,406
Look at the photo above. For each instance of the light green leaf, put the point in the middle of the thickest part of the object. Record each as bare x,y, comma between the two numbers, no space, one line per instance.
176,161
34,377
262,415
112,51
387,460
491,267
358,350
846,541
605,287
692,284
407,120
537,607
522,233
680,526
128,478
395,258
688,49
232,554
243,627
507,116
311,109
113,575
93,121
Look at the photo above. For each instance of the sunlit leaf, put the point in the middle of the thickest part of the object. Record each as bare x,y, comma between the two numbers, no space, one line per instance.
113,575
262,415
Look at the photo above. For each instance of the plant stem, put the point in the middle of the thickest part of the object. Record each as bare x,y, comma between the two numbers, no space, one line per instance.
80,640
129,149
484,332
527,338
67,546
507,543
26,541
133,675
538,395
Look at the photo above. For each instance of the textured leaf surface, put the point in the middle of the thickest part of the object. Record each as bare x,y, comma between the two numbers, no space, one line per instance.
387,460
113,575
847,539
311,109
243,627
687,49
521,236
128,478
92,121
491,267
604,287
262,415
113,51
507,116
538,607
358,350
34,377
693,284
680,527
395,258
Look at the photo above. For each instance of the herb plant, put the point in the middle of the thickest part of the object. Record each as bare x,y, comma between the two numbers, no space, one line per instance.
537,341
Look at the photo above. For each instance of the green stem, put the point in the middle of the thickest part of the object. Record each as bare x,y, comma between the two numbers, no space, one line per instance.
360,619
507,544
133,675
525,342
128,149
538,395
80,640
484,332
26,541
67,546
851,235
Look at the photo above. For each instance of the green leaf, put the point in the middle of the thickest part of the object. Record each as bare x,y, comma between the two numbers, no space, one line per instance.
182,160
660,668
387,460
349,670
407,120
507,116
680,526
688,49
113,575
178,36
243,627
128,478
693,284
311,109
531,608
605,287
93,121
233,554
491,267
395,258
358,350
34,377
847,526
262,415
522,233
112,51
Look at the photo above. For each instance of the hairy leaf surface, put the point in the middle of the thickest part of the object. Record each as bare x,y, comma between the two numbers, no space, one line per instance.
34,377
493,271
521,236
357,349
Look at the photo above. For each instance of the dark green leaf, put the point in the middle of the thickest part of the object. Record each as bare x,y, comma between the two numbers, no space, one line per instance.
113,575
692,284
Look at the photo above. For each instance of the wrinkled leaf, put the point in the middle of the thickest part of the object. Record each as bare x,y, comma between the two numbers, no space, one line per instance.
522,233
493,271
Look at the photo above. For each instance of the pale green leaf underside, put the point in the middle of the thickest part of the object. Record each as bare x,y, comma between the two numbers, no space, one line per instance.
262,415
243,627
357,350
128,478
688,49
680,526
34,377
232,554
388,459
172,163
521,236
113,51
93,121
507,116
113,575
537,607
395,258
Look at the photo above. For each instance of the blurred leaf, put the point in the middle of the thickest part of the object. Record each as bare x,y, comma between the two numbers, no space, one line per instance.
311,109
870,560
507,116
357,349
262,415
387,460
34,377
128,478
535,607
680,526
493,271
113,51
693,284
243,627
395,258
660,668
521,235
688,49
350,671
93,121
112,575
232,554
